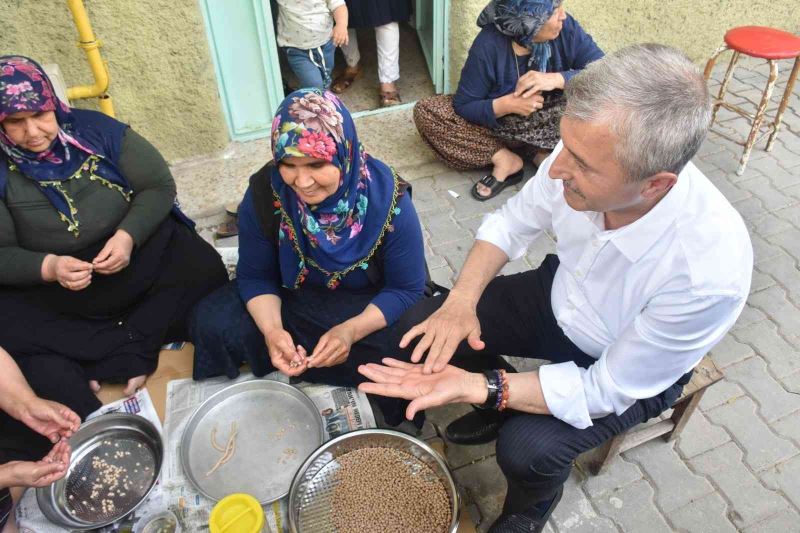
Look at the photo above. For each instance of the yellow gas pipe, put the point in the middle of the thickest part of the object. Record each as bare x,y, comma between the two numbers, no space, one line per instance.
91,46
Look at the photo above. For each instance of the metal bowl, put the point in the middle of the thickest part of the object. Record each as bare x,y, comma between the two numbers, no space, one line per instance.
278,426
312,489
129,443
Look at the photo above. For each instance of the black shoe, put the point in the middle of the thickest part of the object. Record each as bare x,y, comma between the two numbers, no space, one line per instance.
531,520
478,427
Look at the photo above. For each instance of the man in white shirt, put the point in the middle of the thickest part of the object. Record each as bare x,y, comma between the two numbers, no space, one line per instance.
653,268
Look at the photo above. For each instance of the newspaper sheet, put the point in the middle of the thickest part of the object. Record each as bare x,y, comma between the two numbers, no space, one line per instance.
31,520
343,409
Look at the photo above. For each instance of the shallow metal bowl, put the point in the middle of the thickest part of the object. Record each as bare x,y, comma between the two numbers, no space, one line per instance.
278,426
128,442
311,494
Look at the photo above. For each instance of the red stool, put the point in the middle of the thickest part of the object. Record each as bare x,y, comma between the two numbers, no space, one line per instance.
764,43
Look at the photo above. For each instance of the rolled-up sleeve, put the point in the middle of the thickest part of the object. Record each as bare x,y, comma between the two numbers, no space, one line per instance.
257,271
518,223
667,339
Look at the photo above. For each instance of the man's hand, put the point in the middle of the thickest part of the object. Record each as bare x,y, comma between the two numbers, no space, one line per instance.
333,347
398,379
284,355
339,35
70,273
115,255
453,322
50,419
37,474
533,83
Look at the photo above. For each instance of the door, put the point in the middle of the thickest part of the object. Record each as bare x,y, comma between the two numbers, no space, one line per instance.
245,58
432,21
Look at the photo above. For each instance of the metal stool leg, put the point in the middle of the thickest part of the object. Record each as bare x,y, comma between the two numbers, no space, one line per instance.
762,107
784,102
725,81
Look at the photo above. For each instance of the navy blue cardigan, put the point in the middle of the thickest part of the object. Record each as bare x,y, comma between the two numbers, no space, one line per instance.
489,71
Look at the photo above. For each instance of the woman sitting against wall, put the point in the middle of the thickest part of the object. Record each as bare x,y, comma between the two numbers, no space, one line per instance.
330,255
509,98
98,266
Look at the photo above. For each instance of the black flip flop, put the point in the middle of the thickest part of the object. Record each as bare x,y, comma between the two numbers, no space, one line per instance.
495,186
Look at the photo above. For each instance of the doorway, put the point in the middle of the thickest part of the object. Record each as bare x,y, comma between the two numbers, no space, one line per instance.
251,82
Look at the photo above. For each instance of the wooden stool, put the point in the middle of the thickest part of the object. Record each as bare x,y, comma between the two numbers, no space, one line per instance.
764,43
705,374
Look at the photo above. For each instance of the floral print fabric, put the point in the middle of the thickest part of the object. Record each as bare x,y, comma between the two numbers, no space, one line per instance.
343,231
24,86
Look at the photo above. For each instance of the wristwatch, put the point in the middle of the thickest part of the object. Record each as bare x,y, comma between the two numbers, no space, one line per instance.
493,386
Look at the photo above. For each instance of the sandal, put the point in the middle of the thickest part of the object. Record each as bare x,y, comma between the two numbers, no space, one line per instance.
495,186
390,98
229,228
232,209
343,82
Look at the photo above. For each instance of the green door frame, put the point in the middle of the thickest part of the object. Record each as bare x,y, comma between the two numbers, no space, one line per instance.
245,54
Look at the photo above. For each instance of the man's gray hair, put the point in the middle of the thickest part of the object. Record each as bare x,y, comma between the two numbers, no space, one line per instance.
655,100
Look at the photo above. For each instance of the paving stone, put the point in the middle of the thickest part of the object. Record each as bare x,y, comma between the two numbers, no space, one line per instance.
729,190
785,477
790,214
783,522
471,224
729,351
784,268
774,171
575,513
443,276
771,198
750,315
515,267
769,224
789,240
433,260
750,207
792,383
455,252
617,474
774,303
762,448
707,514
720,393
426,198
750,501
486,486
441,228
760,282
700,435
675,485
773,400
467,207
789,427
783,358
765,251
448,180
539,249
632,508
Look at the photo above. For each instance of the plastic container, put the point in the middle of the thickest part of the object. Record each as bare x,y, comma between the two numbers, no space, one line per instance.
163,522
237,513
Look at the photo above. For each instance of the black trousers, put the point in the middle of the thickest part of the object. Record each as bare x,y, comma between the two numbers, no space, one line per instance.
535,452
110,331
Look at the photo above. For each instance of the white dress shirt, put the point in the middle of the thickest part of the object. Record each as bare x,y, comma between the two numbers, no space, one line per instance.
647,300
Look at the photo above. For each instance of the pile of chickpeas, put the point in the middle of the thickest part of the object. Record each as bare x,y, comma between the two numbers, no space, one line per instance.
384,490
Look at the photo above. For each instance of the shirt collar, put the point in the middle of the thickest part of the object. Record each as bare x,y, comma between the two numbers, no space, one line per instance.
635,239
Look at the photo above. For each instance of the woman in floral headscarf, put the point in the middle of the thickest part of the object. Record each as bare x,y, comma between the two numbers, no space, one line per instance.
509,98
98,266
330,254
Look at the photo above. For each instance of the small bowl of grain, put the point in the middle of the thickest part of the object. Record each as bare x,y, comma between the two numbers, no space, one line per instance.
374,480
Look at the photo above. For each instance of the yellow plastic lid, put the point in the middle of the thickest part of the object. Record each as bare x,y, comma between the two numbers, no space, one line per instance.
237,513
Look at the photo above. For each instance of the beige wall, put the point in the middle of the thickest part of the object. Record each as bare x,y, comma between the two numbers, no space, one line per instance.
162,78
694,26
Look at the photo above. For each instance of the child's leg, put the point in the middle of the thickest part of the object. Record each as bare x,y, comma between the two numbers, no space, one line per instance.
305,67
328,51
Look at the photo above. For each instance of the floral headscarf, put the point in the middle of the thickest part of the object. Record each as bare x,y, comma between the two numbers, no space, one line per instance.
24,86
341,233
521,20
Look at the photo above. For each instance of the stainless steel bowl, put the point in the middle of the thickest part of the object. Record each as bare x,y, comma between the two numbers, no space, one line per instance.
128,442
312,488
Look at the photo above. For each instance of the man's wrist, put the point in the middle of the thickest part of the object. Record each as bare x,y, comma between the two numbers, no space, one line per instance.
477,388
